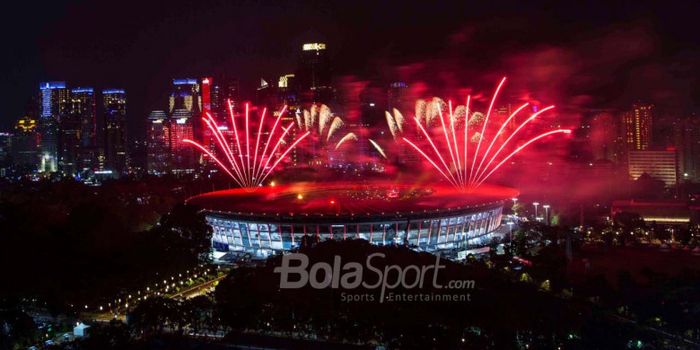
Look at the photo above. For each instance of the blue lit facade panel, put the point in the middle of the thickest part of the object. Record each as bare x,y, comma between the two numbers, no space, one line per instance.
261,239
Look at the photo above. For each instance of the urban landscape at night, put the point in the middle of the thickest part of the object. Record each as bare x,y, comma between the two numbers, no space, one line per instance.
350,175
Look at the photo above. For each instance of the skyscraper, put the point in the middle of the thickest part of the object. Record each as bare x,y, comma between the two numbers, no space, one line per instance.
5,157
659,164
53,103
606,140
185,95
286,85
637,126
77,133
686,139
227,88
206,94
25,145
181,128
314,74
115,136
158,154
397,96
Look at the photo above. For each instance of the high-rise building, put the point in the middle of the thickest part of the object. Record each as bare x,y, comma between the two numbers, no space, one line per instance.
206,94
181,128
25,145
5,156
225,89
158,153
314,74
286,85
185,95
637,126
115,136
208,138
605,137
397,96
77,133
659,164
685,137
53,103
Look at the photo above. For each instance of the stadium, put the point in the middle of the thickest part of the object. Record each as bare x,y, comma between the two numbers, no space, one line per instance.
273,219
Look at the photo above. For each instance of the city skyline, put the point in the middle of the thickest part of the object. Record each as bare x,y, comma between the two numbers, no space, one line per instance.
644,45
350,175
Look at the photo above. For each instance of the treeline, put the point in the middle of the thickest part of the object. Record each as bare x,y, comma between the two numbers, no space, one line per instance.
66,243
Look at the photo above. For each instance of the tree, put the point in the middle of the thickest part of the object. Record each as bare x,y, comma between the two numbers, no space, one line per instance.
186,231
198,312
151,316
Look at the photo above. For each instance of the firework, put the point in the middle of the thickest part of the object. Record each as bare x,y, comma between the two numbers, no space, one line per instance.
300,123
433,110
336,124
378,148
460,114
452,161
246,169
476,118
347,137
308,120
324,117
398,117
421,107
391,123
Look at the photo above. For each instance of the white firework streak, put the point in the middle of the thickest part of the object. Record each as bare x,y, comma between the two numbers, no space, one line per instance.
308,123
476,118
420,110
379,149
299,122
391,123
314,114
475,137
435,107
348,136
459,113
398,117
336,124
324,117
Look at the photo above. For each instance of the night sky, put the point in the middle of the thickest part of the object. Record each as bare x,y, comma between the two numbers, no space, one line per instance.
592,56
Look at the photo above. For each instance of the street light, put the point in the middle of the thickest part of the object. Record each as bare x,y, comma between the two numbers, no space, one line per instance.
515,201
536,204
546,213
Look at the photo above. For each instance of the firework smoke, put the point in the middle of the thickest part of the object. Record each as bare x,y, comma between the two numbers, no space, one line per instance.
248,169
451,160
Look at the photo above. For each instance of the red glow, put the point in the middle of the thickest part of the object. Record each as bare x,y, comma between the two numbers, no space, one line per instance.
430,160
244,173
486,121
466,137
201,148
474,175
247,139
495,137
427,136
314,199
257,141
565,131
505,143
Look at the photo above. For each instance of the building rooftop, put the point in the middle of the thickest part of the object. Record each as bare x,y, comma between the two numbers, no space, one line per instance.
327,201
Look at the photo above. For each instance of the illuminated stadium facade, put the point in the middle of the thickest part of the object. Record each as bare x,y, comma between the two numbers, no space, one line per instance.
270,220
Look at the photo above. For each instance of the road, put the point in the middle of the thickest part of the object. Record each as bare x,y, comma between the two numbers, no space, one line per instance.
196,290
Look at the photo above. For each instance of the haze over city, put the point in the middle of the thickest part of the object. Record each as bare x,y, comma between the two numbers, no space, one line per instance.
351,175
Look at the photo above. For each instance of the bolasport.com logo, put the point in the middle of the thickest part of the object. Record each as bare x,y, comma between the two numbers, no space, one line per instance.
373,280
